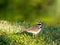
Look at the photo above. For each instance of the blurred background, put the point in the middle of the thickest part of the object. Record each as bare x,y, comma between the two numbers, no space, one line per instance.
18,15
48,11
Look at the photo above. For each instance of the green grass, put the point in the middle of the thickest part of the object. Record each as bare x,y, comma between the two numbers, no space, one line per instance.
48,36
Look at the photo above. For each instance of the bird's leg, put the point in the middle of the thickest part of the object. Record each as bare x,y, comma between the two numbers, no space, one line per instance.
34,35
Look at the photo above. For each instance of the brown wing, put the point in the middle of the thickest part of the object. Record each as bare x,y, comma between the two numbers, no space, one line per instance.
34,28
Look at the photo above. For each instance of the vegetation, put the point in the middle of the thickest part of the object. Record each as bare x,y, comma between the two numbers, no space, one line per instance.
28,12
48,36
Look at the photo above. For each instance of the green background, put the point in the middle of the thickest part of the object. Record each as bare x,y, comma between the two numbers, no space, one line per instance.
48,11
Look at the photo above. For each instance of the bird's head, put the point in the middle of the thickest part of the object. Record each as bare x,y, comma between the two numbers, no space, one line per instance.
39,23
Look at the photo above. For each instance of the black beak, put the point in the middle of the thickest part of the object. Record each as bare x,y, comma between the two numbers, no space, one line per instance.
40,27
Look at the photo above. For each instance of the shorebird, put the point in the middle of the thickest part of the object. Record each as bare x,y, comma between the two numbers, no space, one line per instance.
35,29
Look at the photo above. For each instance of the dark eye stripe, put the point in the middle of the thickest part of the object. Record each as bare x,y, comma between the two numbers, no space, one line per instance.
39,24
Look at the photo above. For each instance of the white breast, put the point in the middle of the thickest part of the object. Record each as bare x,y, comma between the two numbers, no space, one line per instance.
37,31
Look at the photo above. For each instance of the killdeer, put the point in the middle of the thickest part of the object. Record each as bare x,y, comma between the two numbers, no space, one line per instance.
35,29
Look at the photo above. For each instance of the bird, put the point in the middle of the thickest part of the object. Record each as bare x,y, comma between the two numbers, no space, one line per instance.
35,29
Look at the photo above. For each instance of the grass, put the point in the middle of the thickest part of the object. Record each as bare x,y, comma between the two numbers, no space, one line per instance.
48,36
